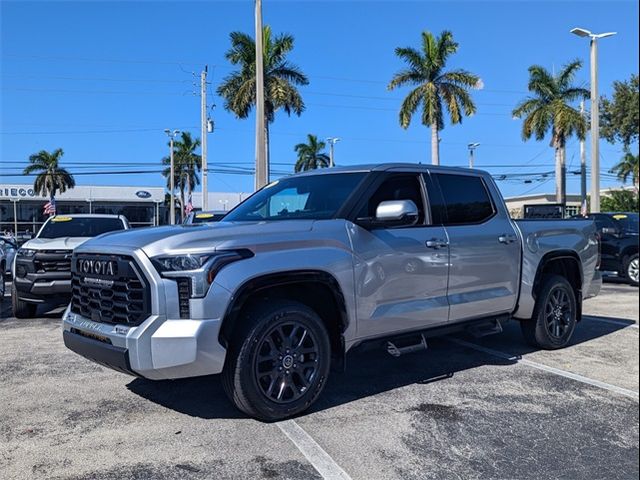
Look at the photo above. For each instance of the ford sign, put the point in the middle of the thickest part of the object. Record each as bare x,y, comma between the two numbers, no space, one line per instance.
143,194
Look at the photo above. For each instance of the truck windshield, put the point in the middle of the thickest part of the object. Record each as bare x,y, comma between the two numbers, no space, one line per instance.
314,197
628,222
61,226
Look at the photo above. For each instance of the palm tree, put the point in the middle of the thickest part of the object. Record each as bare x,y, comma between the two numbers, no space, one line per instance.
280,78
51,178
627,167
549,109
435,88
186,166
311,155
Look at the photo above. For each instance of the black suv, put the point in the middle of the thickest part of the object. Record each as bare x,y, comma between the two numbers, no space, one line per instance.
619,237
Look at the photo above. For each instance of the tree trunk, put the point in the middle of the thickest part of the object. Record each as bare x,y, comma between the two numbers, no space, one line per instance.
560,175
435,145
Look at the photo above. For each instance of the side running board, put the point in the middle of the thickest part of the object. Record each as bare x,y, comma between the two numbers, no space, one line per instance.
484,329
408,344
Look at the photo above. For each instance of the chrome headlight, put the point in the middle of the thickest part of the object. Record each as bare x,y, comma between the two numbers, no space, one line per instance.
26,252
201,269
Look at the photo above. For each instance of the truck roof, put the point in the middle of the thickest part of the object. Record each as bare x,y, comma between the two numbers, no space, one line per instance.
377,167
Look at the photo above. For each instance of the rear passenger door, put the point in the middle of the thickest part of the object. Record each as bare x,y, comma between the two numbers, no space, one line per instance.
484,250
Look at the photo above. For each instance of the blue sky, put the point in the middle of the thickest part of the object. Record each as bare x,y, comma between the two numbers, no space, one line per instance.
102,81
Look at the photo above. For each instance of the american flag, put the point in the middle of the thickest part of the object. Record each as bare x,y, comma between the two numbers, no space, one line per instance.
50,207
189,207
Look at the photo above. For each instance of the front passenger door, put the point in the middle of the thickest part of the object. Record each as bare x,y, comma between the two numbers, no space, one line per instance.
401,283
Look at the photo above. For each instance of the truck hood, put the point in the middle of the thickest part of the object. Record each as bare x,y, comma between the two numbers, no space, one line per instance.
62,243
198,238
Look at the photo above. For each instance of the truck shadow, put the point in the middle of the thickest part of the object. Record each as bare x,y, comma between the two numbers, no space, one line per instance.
370,372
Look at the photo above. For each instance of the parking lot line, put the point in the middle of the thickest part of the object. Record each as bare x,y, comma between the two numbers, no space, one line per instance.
317,456
540,366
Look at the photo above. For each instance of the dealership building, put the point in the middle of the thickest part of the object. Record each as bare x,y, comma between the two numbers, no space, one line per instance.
22,207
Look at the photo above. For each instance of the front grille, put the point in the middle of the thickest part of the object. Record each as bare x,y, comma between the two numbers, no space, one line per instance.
52,261
118,294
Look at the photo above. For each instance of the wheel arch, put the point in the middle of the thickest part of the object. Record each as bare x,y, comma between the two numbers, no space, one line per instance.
562,262
317,289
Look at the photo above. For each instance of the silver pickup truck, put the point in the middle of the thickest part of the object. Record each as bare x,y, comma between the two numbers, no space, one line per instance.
315,264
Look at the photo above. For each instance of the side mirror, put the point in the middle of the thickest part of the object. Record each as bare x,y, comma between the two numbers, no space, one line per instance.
609,231
397,212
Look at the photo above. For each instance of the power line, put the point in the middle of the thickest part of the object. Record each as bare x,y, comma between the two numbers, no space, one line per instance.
95,79
100,60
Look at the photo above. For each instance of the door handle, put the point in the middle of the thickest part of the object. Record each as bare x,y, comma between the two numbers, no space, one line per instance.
506,239
436,243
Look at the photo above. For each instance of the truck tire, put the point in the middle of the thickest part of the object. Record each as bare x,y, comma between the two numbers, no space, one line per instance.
554,316
631,269
278,361
20,308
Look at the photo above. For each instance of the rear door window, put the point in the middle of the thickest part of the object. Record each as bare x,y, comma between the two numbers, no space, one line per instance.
466,199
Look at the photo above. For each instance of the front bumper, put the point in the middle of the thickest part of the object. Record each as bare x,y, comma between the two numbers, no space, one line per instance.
105,354
157,349
36,284
38,288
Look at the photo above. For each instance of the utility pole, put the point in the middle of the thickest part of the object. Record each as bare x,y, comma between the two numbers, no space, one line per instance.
595,114
203,134
172,187
472,148
332,141
15,221
262,169
583,163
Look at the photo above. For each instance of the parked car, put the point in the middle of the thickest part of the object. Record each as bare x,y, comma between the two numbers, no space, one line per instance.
3,262
312,265
9,246
619,239
42,265
205,217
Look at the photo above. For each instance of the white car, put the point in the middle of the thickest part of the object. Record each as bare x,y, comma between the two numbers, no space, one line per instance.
42,265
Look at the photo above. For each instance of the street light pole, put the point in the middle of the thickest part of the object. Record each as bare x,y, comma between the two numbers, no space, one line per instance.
332,141
172,206
583,164
595,118
262,169
472,148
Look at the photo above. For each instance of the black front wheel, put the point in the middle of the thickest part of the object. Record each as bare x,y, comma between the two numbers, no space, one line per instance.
554,316
278,361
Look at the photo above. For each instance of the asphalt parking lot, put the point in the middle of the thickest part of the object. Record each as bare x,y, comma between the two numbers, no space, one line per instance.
465,408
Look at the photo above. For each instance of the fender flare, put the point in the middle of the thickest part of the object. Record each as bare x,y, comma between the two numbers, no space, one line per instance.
278,279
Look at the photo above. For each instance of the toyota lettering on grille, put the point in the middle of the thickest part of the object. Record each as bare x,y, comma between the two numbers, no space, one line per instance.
107,268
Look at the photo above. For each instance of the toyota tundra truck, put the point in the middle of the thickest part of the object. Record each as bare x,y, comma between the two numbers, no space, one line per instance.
312,265
42,265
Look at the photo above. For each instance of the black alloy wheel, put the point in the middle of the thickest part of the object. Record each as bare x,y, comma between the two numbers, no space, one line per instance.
558,312
287,362
554,316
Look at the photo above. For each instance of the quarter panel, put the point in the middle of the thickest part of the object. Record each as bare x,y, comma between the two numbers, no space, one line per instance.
542,237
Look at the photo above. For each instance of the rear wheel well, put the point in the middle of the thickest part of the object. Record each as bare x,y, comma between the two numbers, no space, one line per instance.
565,264
317,290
